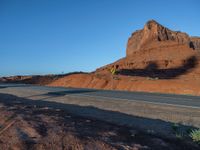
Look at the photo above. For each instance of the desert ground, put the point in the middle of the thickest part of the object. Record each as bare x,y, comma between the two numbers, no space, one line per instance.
29,126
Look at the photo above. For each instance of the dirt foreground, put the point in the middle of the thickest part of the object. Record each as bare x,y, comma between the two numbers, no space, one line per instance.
26,126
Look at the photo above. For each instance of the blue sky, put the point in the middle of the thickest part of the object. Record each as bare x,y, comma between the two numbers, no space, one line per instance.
54,36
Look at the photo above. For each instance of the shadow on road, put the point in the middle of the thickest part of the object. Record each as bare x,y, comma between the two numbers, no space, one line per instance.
2,87
13,85
55,94
75,91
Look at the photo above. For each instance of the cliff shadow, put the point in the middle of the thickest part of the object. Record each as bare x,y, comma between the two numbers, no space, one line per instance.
153,71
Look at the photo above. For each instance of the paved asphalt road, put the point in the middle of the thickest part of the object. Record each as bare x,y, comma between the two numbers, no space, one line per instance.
153,98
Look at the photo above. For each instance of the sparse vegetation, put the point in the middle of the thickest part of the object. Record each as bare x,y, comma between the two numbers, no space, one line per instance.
116,78
113,71
179,133
195,135
175,127
150,78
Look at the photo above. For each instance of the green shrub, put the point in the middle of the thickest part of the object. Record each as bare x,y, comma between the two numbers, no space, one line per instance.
195,135
179,135
177,130
151,78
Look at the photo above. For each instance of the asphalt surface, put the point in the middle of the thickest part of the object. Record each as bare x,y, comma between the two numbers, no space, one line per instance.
153,98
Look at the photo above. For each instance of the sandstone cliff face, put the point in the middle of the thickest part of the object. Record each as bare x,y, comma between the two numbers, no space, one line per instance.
154,35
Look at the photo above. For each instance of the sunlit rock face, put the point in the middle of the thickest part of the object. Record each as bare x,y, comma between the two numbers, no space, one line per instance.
154,35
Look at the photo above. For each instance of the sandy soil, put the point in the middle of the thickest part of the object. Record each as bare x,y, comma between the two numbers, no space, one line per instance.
26,126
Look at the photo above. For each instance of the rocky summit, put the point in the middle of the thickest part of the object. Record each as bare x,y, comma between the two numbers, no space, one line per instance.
153,34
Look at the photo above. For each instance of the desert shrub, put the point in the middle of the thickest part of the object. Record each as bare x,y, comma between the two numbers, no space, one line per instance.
116,78
195,135
175,127
151,78
177,130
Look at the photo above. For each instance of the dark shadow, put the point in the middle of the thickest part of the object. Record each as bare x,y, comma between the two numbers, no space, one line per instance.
152,70
63,93
2,87
191,44
159,127
55,94
8,85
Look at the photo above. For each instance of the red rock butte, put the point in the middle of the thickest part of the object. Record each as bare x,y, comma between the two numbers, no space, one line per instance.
158,44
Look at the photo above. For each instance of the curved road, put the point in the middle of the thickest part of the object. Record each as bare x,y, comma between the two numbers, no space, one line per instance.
149,111
153,98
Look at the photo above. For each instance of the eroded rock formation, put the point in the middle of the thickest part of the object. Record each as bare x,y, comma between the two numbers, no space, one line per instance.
154,35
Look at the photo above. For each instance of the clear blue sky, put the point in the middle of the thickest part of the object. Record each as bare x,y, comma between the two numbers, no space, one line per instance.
54,36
